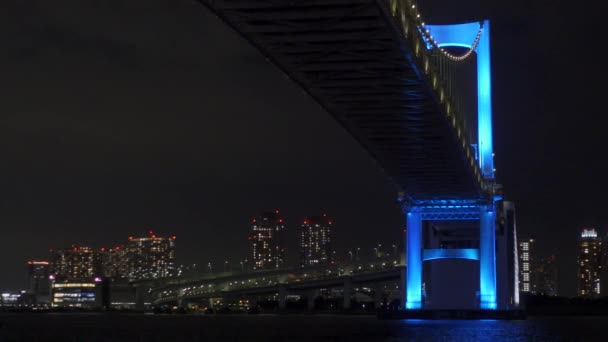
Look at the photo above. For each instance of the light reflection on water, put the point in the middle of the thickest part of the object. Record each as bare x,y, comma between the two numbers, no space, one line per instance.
150,328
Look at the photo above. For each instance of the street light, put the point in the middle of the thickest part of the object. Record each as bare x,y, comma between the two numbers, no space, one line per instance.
376,250
226,266
242,267
210,268
351,255
395,250
358,249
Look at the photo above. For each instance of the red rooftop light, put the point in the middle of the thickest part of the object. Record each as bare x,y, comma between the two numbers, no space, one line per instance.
305,222
130,238
174,237
330,222
280,220
276,211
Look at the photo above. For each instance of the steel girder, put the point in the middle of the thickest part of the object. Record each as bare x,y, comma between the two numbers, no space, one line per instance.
350,57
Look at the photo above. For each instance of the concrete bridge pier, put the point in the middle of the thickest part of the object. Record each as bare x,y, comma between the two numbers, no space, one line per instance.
182,303
140,298
282,297
253,302
378,296
312,296
348,292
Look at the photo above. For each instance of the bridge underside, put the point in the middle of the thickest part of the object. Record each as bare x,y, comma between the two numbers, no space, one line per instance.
351,56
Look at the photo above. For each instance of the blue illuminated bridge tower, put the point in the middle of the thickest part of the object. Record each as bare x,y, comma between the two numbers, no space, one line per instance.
391,80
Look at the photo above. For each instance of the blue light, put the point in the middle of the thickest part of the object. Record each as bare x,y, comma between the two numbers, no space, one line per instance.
486,254
414,261
451,253
463,35
487,260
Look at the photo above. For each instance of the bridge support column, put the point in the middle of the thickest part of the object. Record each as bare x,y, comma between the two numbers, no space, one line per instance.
378,295
252,301
140,297
182,303
348,292
310,300
211,303
282,297
413,283
487,257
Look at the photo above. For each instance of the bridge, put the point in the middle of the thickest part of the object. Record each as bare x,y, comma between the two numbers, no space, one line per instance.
390,79
377,278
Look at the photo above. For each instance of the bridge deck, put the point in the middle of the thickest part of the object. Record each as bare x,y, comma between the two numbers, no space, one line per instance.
351,57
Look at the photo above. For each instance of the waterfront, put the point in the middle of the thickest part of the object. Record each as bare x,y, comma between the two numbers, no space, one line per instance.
95,327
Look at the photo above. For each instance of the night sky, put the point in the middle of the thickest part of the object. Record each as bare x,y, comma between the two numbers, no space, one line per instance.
121,116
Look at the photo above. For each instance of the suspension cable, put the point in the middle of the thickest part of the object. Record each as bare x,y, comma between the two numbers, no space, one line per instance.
431,41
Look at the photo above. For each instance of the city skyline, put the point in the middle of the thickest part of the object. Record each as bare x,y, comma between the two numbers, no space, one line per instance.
95,251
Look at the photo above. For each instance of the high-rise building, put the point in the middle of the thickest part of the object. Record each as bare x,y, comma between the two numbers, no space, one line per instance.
589,263
113,262
546,275
526,266
73,262
267,241
150,256
39,283
315,241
